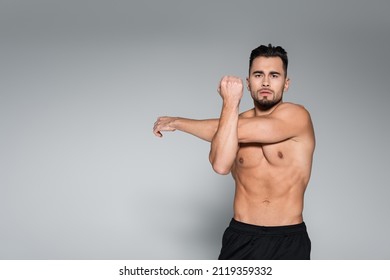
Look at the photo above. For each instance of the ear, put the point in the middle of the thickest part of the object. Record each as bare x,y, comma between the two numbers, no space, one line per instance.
247,84
286,84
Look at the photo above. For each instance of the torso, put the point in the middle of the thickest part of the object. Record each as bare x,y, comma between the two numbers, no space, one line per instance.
271,180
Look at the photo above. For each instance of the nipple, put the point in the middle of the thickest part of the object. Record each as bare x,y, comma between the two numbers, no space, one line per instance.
280,155
241,160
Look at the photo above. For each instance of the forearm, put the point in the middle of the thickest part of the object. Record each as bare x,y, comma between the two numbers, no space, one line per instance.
224,145
203,129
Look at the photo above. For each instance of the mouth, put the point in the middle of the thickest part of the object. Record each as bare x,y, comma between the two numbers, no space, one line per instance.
265,93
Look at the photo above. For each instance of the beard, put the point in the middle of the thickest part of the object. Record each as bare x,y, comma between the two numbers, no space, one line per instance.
265,104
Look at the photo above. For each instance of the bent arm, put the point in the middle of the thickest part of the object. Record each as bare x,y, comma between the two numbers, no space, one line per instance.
203,129
224,145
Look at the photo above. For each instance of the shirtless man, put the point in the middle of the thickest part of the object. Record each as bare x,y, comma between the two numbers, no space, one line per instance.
268,150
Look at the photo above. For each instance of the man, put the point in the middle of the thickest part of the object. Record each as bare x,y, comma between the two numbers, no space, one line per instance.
268,150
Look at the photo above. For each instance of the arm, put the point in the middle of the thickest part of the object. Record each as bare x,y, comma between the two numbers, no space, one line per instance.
284,123
287,121
203,129
224,145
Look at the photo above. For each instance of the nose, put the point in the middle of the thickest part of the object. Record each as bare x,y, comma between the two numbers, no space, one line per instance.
265,82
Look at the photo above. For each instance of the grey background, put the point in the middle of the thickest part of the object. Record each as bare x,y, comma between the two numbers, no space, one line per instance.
82,82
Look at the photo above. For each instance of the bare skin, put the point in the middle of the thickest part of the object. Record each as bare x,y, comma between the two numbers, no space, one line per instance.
267,149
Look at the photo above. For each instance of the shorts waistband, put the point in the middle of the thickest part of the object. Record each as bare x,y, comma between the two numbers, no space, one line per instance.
255,229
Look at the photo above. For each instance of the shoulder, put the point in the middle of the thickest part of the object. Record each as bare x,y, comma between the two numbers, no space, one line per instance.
290,106
295,116
291,110
248,114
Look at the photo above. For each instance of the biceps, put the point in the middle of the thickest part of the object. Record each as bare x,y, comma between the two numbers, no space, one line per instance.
264,130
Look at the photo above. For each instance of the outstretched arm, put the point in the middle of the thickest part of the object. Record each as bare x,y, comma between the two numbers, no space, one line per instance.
287,121
224,145
203,129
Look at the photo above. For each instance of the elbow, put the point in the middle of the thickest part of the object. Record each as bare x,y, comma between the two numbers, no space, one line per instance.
221,169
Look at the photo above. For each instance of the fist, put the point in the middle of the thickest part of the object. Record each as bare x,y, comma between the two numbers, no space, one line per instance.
231,88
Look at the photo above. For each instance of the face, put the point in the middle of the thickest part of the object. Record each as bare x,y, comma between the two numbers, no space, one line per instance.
267,81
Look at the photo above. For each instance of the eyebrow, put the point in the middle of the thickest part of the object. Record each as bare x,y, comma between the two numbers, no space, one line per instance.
262,72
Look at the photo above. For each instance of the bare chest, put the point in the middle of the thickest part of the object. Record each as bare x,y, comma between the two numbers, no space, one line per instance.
255,155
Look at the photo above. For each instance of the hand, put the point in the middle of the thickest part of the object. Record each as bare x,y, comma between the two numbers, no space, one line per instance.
163,124
231,88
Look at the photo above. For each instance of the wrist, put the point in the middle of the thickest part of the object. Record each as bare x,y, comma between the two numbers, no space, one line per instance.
231,104
176,123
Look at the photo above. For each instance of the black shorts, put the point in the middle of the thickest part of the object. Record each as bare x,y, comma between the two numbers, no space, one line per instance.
250,242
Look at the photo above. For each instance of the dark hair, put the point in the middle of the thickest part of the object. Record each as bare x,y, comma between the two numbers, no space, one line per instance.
269,51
